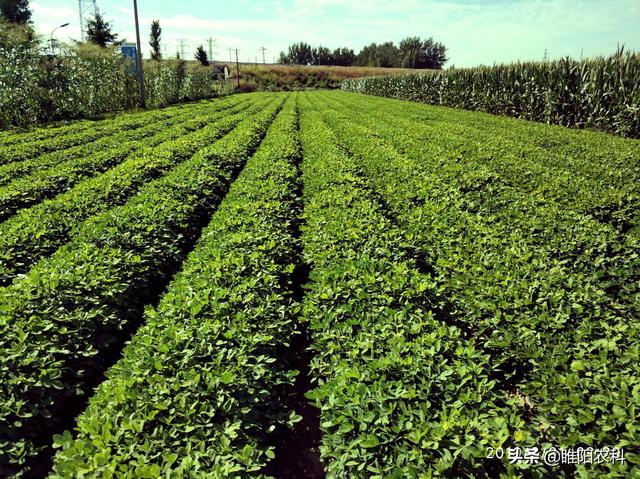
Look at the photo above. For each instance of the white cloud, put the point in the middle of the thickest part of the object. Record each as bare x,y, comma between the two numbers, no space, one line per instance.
479,31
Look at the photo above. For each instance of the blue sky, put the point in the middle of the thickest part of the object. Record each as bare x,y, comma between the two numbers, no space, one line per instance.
476,31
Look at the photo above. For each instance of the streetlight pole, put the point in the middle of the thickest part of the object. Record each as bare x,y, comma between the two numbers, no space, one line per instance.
139,57
53,52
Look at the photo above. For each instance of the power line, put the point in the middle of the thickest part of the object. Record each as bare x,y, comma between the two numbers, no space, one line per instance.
237,67
86,9
143,103
211,42
181,47
263,49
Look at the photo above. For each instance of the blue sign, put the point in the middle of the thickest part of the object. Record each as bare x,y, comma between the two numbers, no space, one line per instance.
130,54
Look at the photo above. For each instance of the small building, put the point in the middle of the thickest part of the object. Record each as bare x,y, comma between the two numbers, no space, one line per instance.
219,72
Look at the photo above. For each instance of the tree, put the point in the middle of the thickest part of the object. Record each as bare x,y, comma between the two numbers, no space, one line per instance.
154,40
15,11
343,57
321,56
201,56
283,59
99,31
181,71
299,54
367,56
15,34
418,53
436,54
387,55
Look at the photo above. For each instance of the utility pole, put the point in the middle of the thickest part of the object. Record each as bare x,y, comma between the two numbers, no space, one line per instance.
87,9
237,67
546,52
143,103
181,47
211,41
230,59
263,49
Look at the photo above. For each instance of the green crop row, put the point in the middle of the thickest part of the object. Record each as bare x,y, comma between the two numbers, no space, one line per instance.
201,387
15,136
403,393
11,171
12,137
61,320
551,293
38,231
46,183
598,182
590,148
26,149
600,93
592,172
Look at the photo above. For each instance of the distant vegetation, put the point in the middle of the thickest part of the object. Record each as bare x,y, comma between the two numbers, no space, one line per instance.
296,77
15,11
601,93
84,79
412,52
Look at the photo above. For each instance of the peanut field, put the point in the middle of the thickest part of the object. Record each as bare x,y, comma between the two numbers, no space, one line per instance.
316,284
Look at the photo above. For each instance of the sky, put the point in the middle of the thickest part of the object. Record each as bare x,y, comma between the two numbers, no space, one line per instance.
475,31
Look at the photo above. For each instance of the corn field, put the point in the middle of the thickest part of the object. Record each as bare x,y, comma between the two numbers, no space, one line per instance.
601,93
79,84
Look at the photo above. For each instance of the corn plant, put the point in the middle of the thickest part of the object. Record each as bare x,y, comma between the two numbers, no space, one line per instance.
600,93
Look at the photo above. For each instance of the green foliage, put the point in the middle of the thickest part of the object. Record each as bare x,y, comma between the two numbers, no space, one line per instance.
14,35
473,283
304,54
88,81
343,57
201,56
154,40
96,285
599,93
298,54
15,11
129,136
202,379
401,392
417,53
38,231
525,256
384,55
413,52
99,31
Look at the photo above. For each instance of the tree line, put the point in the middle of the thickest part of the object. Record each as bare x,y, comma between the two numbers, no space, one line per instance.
411,52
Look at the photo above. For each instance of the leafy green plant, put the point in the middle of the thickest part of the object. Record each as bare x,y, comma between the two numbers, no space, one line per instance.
96,285
38,231
599,93
201,387
545,287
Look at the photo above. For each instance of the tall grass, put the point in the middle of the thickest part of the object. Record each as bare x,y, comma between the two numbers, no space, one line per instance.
600,93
